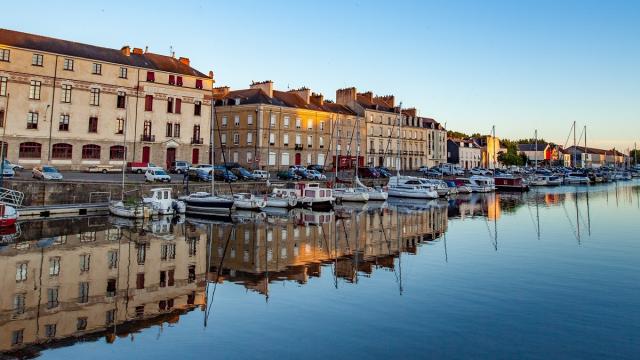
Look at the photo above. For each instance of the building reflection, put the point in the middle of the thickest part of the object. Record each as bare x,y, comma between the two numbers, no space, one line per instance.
87,279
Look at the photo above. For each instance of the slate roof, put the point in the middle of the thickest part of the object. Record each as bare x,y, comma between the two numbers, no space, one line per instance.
532,147
57,46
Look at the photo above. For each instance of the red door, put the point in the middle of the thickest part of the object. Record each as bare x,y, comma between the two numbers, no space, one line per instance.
195,156
146,154
171,156
298,158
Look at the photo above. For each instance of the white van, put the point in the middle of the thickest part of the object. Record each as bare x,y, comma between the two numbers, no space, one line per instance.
261,174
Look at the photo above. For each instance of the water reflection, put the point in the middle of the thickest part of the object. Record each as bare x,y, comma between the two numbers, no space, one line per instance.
105,278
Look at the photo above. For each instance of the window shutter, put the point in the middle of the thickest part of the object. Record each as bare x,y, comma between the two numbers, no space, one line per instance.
178,105
198,84
151,76
148,103
179,81
172,80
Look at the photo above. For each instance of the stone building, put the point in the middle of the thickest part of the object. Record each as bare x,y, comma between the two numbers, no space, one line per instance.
464,153
71,105
263,128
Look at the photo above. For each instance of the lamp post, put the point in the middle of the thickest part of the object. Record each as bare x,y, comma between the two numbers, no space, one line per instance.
2,143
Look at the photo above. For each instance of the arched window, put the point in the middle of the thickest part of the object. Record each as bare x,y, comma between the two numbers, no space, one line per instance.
61,151
116,152
30,150
91,152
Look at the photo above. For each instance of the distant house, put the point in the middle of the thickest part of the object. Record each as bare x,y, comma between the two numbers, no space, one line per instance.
592,157
490,148
464,153
540,153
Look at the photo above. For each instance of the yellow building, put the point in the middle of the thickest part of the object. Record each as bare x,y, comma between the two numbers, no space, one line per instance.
71,105
263,128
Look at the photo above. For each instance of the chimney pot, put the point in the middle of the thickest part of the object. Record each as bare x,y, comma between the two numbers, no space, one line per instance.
184,60
266,86
137,51
126,50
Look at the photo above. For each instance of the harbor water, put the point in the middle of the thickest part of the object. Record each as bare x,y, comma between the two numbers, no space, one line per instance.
552,273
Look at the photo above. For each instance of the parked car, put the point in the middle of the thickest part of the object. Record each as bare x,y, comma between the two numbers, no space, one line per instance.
315,175
224,175
480,171
156,175
179,167
368,172
12,166
432,173
243,174
46,172
261,174
288,175
200,174
8,172
141,167
316,167
297,167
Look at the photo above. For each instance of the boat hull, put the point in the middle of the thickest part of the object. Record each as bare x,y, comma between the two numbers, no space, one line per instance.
401,193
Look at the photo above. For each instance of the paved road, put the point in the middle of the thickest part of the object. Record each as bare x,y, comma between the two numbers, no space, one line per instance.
97,177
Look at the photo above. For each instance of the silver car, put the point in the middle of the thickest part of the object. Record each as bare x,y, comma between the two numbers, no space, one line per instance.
46,172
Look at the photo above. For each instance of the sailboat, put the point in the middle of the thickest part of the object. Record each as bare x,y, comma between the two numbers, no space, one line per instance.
134,209
351,193
208,204
408,186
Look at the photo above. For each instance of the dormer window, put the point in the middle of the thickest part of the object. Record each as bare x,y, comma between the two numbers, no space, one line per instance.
172,80
179,80
199,84
151,76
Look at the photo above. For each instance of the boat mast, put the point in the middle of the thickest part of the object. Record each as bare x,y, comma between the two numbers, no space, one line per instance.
574,145
536,152
335,160
493,139
124,142
399,164
213,152
584,163
357,151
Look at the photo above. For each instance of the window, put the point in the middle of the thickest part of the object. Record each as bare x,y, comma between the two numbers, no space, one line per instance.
236,139
30,150
321,142
111,287
198,81
85,261
93,124
52,298
94,97
112,259
37,59
142,254
148,103
309,124
176,130
17,337
34,90
2,125
91,152
123,73
223,139
298,123
119,126
169,130
66,93
81,324
178,106
172,80
96,69
197,108
83,292
139,310
250,120
249,138
321,125
272,139
61,151
298,139
32,120
249,156
50,330
21,271
285,140
110,317
309,141
140,281
3,86
4,54
285,122
121,100
19,303
236,120
285,159
170,105
224,121
64,123
116,152
68,65
151,76
273,121
179,80
54,266
168,252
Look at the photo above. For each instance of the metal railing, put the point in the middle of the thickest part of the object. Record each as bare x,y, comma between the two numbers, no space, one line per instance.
11,197
147,137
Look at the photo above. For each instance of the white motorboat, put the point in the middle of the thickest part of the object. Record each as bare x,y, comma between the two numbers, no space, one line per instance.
131,211
411,187
247,201
315,196
205,204
479,184
163,203
283,198
538,180
375,194
576,178
439,185
351,194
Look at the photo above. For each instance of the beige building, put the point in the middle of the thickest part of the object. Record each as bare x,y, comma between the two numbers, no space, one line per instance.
265,128
71,105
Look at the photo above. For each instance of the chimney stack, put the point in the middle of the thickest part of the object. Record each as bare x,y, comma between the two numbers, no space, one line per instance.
220,92
126,50
266,86
303,92
387,100
317,99
137,51
411,112
367,95
184,60
346,96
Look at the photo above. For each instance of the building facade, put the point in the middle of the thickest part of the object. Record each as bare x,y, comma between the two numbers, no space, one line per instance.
464,153
74,105
263,128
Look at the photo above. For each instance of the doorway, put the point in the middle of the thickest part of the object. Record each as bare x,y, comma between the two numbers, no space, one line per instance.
171,156
298,158
195,156
146,154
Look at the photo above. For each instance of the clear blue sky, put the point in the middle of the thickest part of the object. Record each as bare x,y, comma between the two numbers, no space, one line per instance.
471,64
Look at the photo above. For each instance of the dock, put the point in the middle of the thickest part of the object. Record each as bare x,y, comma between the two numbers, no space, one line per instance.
63,210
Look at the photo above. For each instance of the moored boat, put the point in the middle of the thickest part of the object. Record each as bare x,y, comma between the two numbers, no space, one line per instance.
315,197
8,215
510,183
247,201
205,204
134,210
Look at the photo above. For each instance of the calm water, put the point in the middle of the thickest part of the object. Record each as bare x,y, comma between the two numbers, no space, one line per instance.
553,273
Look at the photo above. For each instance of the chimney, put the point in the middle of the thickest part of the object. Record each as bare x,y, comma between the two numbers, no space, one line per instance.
184,60
126,50
137,51
317,99
346,96
367,95
266,86
411,112
220,92
211,74
303,92
387,100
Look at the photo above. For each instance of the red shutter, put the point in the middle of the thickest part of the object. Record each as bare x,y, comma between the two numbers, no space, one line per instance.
198,84
151,76
179,82
178,105
148,103
172,80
